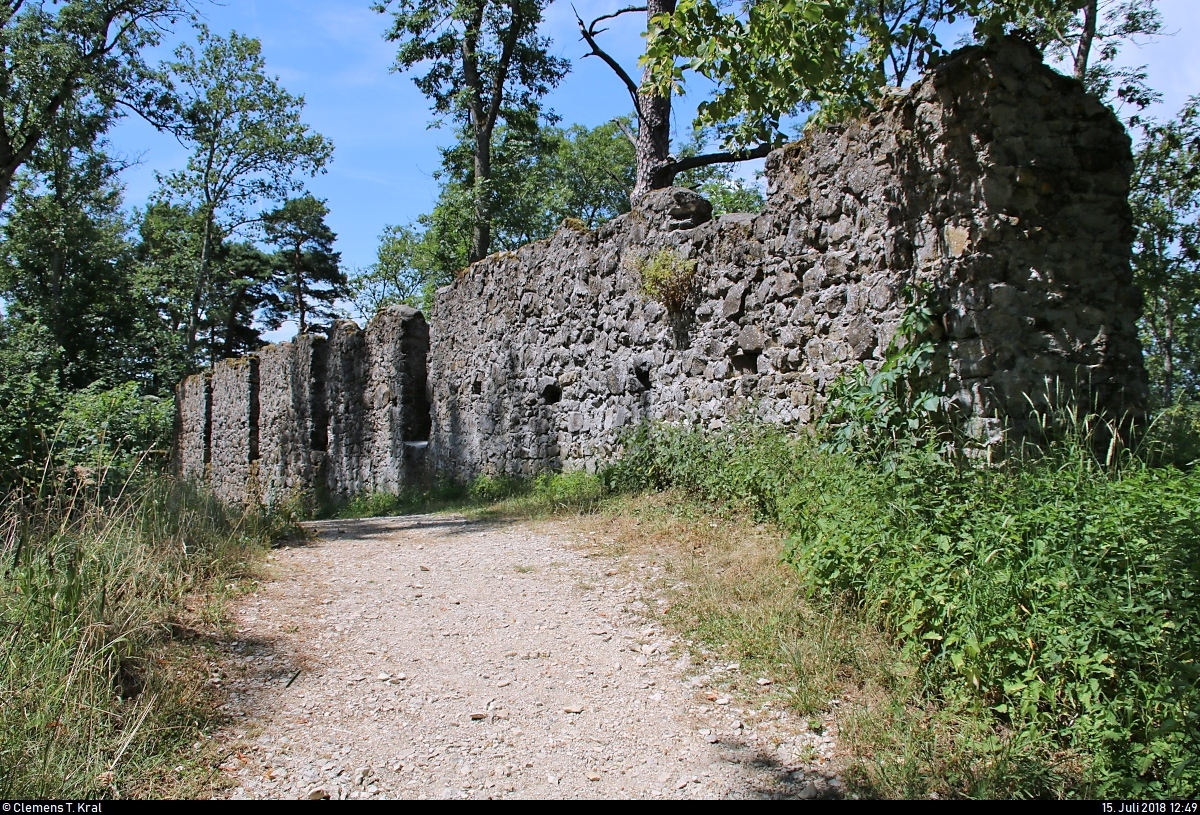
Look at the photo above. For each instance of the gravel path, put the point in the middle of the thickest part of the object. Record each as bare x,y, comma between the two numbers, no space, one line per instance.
438,657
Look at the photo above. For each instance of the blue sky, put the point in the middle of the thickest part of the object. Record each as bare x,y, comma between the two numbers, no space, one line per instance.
333,53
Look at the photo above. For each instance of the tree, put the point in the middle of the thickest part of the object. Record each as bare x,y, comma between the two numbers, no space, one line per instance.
49,59
66,262
238,287
398,275
816,28
247,140
487,63
772,59
308,277
1092,37
541,179
1166,260
242,278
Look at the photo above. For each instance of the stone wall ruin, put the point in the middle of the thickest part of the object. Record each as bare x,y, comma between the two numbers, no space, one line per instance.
994,183
330,418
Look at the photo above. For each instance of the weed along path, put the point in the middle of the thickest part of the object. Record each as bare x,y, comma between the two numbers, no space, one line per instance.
440,657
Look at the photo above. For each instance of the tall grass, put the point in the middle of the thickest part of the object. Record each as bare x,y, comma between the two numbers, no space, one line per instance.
1051,598
96,697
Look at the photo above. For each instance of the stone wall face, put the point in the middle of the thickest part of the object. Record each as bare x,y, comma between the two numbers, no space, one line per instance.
347,462
291,416
396,406
334,418
995,186
234,439
193,402
995,183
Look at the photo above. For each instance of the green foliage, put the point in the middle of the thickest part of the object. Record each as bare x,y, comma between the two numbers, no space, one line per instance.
1166,206
29,398
66,259
539,179
441,495
667,278
717,182
72,54
1174,435
548,492
1051,597
767,62
901,406
248,146
770,60
112,431
402,273
487,63
95,698
308,277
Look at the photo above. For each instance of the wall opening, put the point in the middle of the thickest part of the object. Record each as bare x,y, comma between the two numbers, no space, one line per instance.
642,372
318,414
414,389
552,393
746,362
208,408
254,410
477,387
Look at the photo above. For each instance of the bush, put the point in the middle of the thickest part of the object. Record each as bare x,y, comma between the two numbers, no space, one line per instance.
105,428
668,278
1054,596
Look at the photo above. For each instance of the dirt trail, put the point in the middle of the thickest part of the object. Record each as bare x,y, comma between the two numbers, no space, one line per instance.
440,657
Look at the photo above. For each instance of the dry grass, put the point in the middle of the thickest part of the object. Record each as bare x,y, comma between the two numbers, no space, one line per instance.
113,611
729,594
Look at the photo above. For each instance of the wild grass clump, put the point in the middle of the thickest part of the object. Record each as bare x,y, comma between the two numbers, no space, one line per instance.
1051,598
668,278
97,696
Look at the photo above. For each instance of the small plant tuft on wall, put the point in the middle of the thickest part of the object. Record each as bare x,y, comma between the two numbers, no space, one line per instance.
668,278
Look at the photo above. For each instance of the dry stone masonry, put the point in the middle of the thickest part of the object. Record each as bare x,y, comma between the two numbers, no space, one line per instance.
994,183
330,418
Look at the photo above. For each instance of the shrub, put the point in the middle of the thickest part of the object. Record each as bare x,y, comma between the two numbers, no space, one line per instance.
1053,595
668,278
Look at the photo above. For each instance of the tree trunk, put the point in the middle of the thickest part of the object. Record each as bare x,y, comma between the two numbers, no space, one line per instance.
654,167
481,235
1086,36
1168,357
193,327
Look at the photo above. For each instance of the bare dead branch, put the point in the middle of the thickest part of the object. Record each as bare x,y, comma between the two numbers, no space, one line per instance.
589,35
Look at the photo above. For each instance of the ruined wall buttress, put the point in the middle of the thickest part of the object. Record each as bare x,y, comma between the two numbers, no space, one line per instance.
291,418
193,405
234,439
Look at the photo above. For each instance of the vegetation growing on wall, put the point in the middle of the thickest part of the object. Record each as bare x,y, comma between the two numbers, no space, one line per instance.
668,278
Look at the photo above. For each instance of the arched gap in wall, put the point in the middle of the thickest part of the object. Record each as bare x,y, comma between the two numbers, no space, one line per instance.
552,393
318,413
208,409
414,387
642,372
